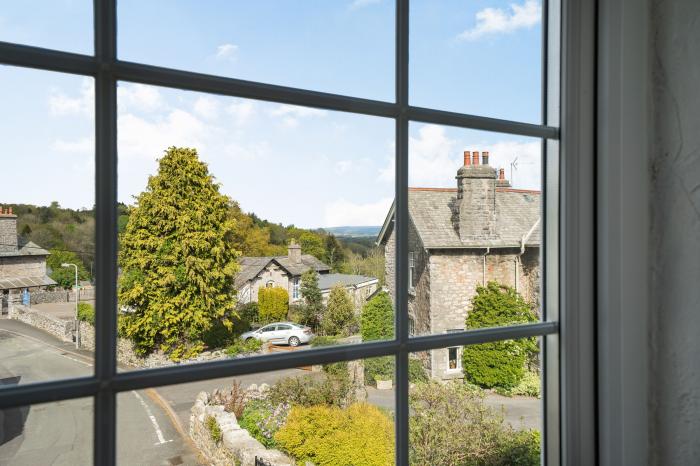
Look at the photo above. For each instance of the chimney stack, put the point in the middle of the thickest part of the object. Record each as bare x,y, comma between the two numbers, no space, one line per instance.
476,200
502,182
294,252
8,230
467,158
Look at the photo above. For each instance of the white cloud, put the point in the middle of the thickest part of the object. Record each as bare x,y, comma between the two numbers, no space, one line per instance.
343,166
206,107
226,51
84,145
357,4
342,213
257,151
138,97
62,105
291,114
501,21
241,110
434,159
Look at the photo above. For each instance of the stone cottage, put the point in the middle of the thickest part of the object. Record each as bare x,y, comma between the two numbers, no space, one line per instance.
286,271
22,263
483,230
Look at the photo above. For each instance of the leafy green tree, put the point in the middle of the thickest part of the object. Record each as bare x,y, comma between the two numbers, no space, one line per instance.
65,276
313,299
339,317
273,304
500,363
177,258
377,319
334,253
311,243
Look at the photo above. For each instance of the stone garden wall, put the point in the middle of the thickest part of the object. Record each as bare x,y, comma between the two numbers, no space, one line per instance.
236,445
62,329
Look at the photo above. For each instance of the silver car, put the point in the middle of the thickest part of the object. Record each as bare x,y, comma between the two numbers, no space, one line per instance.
281,333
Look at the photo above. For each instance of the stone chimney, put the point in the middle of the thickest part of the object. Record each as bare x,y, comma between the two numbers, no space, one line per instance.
294,252
8,230
476,199
502,182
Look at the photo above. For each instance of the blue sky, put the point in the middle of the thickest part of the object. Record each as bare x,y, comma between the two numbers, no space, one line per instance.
289,164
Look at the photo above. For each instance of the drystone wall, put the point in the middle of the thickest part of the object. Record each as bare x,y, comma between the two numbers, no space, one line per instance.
236,445
61,329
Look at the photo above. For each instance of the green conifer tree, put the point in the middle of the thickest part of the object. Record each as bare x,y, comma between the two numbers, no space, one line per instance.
176,258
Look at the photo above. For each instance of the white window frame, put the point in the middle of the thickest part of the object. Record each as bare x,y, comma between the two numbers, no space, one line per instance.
411,268
568,295
295,288
458,368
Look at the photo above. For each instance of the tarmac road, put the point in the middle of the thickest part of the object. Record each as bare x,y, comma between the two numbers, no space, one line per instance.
60,433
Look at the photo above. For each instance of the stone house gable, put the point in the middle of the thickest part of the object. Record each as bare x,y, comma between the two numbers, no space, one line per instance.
454,247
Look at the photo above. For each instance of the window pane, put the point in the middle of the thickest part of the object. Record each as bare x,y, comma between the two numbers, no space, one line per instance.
482,58
490,412
47,224
55,24
339,47
51,433
475,229
316,414
245,199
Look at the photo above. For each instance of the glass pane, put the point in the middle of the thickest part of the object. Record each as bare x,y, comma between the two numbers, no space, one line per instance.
51,433
55,24
482,58
339,47
489,412
474,232
250,226
321,414
47,224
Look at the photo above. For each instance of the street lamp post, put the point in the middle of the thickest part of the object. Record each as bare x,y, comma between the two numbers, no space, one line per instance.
77,322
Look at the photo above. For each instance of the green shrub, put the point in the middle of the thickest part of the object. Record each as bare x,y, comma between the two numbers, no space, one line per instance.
382,368
86,313
339,318
324,340
243,347
451,426
528,386
262,420
377,318
328,435
501,363
311,311
334,389
273,304
249,312
214,429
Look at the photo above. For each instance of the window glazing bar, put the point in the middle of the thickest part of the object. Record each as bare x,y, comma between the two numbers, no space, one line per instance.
47,59
45,392
105,32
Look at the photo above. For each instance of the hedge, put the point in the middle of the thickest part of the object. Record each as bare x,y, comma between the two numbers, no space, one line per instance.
86,313
273,304
331,436
377,319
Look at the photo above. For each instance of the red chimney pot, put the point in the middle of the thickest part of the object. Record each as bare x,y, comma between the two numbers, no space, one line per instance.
501,174
475,157
467,159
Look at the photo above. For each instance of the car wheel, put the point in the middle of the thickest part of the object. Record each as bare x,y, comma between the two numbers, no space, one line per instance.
294,341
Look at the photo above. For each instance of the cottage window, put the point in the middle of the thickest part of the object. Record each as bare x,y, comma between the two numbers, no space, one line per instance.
295,288
560,159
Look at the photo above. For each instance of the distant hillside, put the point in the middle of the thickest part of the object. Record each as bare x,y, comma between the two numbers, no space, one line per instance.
354,231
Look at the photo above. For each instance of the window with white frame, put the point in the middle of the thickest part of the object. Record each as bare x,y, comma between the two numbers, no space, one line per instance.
445,134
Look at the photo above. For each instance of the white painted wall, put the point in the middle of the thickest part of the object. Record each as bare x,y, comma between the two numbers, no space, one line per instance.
675,232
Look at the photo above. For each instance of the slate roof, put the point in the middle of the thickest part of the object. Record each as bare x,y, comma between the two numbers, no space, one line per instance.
251,266
25,248
328,281
432,212
25,282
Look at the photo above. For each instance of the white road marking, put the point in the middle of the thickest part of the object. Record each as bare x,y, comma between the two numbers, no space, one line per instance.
60,351
156,427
